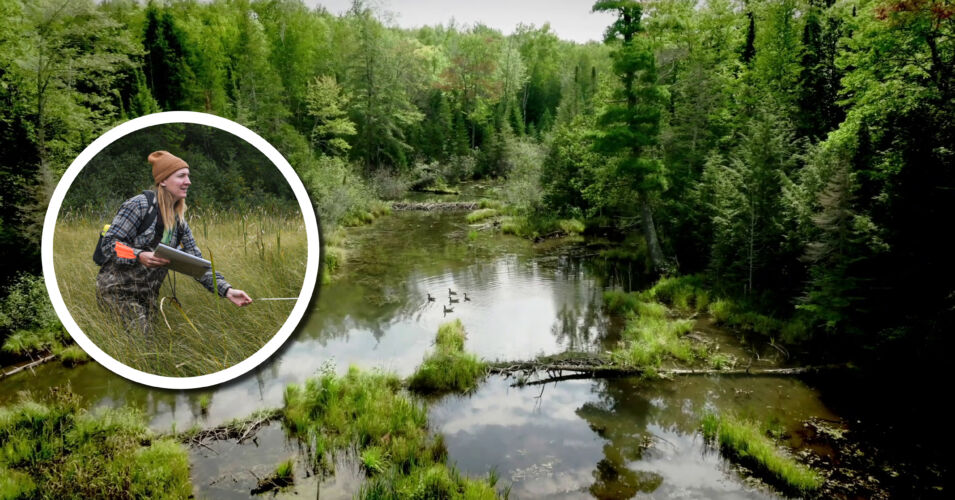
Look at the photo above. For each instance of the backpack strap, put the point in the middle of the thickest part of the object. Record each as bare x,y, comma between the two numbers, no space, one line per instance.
152,216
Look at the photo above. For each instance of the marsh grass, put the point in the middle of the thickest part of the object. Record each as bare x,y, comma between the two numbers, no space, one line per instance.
650,336
55,449
481,214
261,252
448,368
72,355
742,440
373,414
538,227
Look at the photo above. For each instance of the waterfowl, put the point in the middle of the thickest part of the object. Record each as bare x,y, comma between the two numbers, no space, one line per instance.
451,292
453,301
430,298
448,309
466,298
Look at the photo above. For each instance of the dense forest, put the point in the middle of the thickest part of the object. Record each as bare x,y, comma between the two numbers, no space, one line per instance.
797,154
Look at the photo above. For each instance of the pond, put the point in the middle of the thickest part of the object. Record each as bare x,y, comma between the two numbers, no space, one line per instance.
575,439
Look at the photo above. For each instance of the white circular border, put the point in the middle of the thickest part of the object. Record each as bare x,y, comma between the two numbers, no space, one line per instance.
311,269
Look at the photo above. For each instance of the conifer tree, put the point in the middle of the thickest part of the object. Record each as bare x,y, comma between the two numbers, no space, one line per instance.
631,125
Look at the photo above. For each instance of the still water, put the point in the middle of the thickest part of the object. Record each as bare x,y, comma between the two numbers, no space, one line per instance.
606,439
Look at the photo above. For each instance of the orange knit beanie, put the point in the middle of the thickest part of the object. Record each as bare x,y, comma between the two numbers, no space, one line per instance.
165,164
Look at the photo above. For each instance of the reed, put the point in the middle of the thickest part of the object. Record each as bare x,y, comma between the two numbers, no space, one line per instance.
211,334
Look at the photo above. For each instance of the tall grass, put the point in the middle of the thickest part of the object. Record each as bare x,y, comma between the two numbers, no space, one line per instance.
650,336
449,367
54,449
387,426
261,252
743,441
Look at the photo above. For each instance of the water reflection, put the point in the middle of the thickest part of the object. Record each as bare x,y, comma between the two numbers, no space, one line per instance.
615,438
524,301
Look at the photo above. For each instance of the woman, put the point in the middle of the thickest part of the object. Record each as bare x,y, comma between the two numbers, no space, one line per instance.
128,282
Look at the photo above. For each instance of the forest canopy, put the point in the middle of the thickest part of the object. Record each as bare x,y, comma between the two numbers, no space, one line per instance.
797,153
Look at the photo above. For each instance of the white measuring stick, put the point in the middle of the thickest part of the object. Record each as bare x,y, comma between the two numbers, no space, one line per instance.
279,298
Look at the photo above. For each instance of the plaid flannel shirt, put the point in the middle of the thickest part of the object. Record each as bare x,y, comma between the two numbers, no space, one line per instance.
123,229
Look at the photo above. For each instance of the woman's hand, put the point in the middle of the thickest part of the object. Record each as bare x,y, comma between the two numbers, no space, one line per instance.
149,259
238,297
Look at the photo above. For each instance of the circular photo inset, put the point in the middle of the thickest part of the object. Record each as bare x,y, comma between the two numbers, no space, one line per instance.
180,250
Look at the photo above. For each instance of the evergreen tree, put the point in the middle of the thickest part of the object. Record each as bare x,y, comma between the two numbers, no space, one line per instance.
630,129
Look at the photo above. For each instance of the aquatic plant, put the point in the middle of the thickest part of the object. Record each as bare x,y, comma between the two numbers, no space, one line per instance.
449,367
72,355
571,226
481,214
55,449
371,412
743,441
433,481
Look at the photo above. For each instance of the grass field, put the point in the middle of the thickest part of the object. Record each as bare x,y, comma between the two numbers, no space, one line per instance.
259,252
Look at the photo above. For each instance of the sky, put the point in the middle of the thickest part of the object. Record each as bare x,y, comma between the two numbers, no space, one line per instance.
569,19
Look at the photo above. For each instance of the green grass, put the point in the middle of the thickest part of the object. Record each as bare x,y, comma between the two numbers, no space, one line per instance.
55,449
744,441
72,355
571,226
366,214
648,341
437,481
683,293
284,469
449,367
651,336
481,214
371,412
204,401
261,253
486,203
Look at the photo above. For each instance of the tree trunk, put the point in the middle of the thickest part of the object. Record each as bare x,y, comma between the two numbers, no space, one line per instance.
650,234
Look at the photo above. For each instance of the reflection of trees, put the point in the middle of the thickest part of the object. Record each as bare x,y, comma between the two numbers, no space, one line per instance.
581,330
620,416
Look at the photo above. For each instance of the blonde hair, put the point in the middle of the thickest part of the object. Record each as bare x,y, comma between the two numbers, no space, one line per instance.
169,210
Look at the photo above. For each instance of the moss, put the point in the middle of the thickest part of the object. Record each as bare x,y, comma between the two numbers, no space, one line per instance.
743,441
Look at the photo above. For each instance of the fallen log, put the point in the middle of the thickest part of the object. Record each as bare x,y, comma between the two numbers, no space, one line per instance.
27,366
239,430
592,367
435,206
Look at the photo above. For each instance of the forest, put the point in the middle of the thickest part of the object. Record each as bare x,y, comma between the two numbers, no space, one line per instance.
795,155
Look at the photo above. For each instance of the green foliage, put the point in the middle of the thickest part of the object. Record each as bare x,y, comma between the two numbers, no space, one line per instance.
28,323
743,441
76,454
72,355
481,214
284,469
371,412
326,104
449,368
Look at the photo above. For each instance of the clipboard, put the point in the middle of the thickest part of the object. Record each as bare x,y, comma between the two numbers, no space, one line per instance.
183,262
